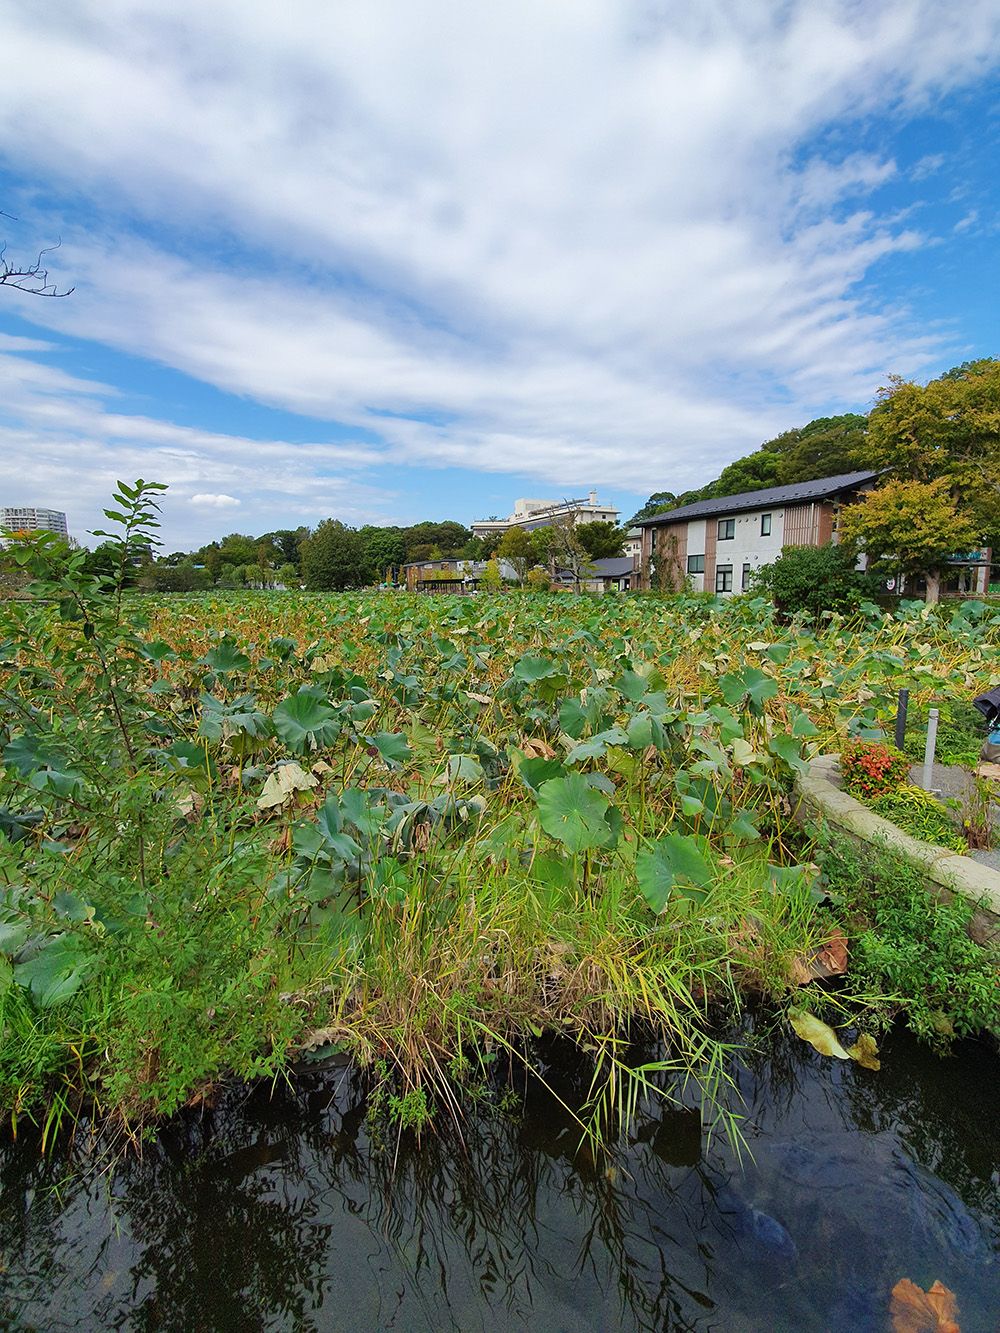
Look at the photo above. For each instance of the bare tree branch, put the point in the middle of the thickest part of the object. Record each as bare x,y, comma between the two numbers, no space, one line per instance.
34,278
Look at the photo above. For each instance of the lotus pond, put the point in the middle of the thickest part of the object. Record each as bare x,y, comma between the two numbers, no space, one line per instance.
422,831
244,838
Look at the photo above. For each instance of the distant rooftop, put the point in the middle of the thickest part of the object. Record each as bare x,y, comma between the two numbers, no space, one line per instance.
823,488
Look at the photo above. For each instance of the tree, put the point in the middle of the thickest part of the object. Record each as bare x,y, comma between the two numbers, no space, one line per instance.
286,543
949,428
238,549
492,578
825,447
333,558
658,503
813,579
288,576
517,549
909,528
601,541
449,537
385,548
164,576
558,546
104,561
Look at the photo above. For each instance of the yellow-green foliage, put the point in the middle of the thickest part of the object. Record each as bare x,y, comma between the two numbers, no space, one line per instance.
278,823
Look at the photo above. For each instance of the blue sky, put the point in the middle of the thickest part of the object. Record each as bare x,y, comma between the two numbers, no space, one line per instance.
387,261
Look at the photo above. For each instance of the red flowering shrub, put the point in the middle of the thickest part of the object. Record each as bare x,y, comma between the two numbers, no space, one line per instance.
871,769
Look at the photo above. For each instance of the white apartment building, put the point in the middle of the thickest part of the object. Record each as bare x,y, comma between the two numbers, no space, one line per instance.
26,518
531,514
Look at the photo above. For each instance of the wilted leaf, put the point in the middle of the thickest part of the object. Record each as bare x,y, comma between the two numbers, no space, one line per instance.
828,960
916,1311
538,749
282,785
744,754
865,1053
820,1036
190,804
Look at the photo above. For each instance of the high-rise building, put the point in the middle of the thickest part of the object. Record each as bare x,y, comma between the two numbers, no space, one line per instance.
25,518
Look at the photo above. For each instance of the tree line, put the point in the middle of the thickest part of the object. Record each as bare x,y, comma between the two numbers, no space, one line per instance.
335,556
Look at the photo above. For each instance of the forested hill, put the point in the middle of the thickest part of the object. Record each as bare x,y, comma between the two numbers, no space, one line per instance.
825,447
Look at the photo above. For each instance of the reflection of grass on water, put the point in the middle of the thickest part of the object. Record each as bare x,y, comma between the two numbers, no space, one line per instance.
278,1207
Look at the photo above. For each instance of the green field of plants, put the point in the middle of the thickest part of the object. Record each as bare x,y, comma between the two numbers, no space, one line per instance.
241,831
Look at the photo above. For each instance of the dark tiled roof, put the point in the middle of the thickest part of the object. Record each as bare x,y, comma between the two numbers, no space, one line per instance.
821,489
611,567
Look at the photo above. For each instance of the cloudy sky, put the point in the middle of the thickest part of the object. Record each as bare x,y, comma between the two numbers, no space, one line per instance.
393,259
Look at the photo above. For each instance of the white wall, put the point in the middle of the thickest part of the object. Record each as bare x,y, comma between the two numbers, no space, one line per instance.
746,547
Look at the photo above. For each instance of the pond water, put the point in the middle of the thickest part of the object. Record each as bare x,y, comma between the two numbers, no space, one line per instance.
279,1212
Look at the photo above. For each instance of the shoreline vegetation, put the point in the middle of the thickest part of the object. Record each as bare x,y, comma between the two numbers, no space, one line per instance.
241,832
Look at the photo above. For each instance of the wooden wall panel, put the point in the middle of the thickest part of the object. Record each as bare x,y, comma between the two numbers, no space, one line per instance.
711,536
801,527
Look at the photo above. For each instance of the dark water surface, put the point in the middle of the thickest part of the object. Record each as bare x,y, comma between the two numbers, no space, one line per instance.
279,1212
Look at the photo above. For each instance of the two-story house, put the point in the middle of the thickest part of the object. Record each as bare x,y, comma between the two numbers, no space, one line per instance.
718,544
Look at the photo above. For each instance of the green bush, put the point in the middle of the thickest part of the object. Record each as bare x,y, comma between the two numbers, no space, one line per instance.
813,579
909,948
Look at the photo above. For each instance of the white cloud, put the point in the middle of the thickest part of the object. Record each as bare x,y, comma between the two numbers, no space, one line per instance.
586,240
215,501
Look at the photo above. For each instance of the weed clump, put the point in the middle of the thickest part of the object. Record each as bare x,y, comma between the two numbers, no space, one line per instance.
911,954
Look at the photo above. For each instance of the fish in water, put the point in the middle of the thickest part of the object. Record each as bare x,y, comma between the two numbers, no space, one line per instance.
751,1223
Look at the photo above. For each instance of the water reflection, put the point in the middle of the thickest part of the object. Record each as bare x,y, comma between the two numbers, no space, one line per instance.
279,1212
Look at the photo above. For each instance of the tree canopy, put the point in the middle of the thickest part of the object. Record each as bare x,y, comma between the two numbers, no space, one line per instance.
823,448
910,528
334,558
948,429
601,541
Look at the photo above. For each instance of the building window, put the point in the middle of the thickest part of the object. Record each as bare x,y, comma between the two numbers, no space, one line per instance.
765,525
746,577
724,578
696,564
727,529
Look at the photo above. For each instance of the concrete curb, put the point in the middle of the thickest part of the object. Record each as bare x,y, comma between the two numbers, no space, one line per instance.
822,802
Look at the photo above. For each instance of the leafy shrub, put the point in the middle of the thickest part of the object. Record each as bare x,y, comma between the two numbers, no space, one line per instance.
813,579
912,949
871,769
916,812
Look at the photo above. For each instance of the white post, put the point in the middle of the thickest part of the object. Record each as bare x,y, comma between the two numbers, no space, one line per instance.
928,773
